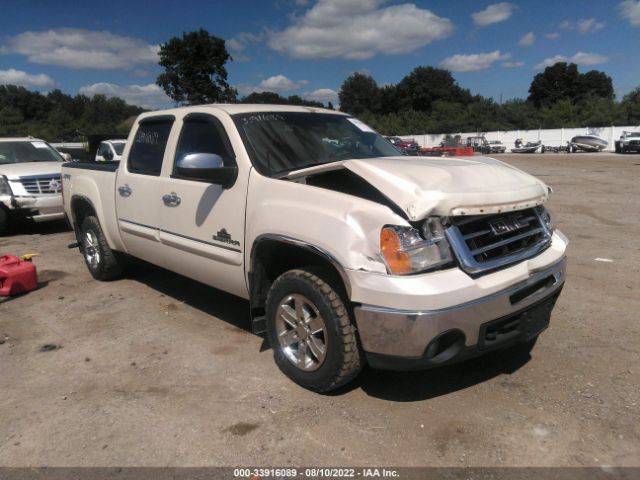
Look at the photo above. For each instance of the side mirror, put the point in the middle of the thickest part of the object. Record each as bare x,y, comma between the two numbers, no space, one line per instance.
67,157
206,167
108,155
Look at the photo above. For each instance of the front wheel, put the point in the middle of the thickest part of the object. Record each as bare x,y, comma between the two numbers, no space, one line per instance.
313,339
102,262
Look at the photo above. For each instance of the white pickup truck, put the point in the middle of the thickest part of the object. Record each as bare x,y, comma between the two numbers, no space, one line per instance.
110,151
347,252
29,181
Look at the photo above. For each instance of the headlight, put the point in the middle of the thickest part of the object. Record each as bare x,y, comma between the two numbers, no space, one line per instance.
5,189
406,250
545,218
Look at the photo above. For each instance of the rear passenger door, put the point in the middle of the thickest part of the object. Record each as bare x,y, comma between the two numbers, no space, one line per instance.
203,225
138,186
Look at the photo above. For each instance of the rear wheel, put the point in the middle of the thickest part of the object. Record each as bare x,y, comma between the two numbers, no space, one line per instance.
313,339
101,261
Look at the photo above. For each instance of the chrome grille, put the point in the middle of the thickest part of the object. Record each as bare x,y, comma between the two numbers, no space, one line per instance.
42,184
488,242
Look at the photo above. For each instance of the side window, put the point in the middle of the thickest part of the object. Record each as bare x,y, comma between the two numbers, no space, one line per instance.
148,146
204,134
101,150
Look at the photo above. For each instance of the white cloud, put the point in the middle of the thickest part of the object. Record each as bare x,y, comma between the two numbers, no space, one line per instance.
358,30
583,26
527,39
147,96
280,83
473,62
24,79
495,13
238,44
630,11
235,45
589,25
81,49
276,83
552,35
322,95
512,64
580,58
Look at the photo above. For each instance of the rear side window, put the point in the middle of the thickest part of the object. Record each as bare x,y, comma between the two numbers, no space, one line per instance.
203,133
148,147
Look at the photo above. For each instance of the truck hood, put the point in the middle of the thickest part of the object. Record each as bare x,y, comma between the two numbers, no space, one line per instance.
15,170
423,186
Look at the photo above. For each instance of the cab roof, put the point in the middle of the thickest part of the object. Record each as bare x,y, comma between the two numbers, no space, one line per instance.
20,139
239,108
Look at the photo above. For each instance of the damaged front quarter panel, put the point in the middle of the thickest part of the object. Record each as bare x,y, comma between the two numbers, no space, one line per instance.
345,225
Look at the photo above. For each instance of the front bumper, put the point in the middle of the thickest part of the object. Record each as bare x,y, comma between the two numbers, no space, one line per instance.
39,208
433,337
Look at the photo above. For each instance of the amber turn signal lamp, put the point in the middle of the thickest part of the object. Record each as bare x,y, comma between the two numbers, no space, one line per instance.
396,259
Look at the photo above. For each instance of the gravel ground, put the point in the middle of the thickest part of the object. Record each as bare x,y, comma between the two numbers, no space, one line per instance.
156,370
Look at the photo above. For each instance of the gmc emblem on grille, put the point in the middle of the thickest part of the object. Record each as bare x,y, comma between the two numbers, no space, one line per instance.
506,225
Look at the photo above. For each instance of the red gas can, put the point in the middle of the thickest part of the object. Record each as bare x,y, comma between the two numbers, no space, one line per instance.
16,276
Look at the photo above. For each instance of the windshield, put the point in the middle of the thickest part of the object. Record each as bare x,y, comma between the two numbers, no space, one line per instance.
28,151
279,142
118,147
633,134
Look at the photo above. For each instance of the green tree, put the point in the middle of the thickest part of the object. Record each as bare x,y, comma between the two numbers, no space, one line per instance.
630,108
562,113
194,69
594,84
276,99
518,114
562,81
264,97
425,85
358,94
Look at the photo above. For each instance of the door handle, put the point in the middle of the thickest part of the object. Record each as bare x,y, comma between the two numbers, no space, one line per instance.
171,199
125,190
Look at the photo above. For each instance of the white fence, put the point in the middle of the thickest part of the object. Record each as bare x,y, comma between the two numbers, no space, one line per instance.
550,137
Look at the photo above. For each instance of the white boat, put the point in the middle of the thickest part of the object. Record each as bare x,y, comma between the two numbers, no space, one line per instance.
587,143
529,147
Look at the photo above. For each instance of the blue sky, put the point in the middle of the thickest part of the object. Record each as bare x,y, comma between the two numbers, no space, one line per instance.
308,47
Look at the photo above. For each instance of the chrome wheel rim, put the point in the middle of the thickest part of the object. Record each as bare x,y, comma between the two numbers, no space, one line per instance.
91,250
302,332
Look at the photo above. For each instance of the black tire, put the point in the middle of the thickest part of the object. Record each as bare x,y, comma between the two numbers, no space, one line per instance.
102,262
4,221
342,360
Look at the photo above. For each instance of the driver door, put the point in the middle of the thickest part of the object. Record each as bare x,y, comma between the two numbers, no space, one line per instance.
202,223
